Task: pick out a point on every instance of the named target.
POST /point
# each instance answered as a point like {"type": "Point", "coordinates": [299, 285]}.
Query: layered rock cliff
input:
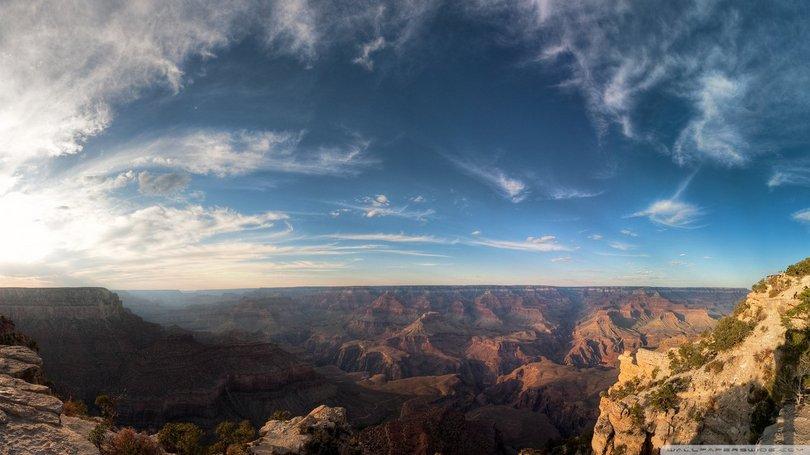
{"type": "Point", "coordinates": [91, 344]}
{"type": "Point", "coordinates": [30, 420]}
{"type": "Point", "coordinates": [725, 388]}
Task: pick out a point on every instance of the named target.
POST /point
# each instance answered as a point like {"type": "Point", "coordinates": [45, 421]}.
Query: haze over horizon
{"type": "Point", "coordinates": [199, 145]}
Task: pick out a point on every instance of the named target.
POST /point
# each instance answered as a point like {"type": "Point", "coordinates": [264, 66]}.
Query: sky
{"type": "Point", "coordinates": [246, 143]}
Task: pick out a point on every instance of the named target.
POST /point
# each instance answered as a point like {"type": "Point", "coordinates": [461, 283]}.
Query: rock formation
{"type": "Point", "coordinates": [30, 420]}
{"type": "Point", "coordinates": [725, 388]}
{"type": "Point", "coordinates": [324, 430]}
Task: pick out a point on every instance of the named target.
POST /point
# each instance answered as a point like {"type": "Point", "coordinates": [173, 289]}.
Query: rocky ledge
{"type": "Point", "coordinates": [324, 430]}
{"type": "Point", "coordinates": [726, 388]}
{"type": "Point", "coordinates": [30, 420]}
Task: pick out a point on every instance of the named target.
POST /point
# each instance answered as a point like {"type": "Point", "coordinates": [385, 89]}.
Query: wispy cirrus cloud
{"type": "Point", "coordinates": [733, 68]}
{"type": "Point", "coordinates": [540, 244]}
{"type": "Point", "coordinates": [673, 212]}
{"type": "Point", "coordinates": [796, 173]}
{"type": "Point", "coordinates": [232, 153]}
{"type": "Point", "coordinates": [380, 205]}
{"type": "Point", "coordinates": [395, 238]}
{"type": "Point", "coordinates": [621, 246]}
{"type": "Point", "coordinates": [561, 193]}
{"type": "Point", "coordinates": [802, 216]}
{"type": "Point", "coordinates": [509, 187]}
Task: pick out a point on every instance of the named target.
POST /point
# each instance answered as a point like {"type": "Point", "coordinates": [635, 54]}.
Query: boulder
{"type": "Point", "coordinates": [322, 428]}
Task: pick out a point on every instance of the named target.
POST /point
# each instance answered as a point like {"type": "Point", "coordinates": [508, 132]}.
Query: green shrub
{"type": "Point", "coordinates": [800, 268]}
{"type": "Point", "coordinates": [625, 389]}
{"type": "Point", "coordinates": [636, 415]}
{"type": "Point", "coordinates": [802, 310]}
{"type": "Point", "coordinates": [181, 438]}
{"type": "Point", "coordinates": [98, 434]}
{"type": "Point", "coordinates": [666, 397]}
{"type": "Point", "coordinates": [232, 437]}
{"type": "Point", "coordinates": [760, 286]}
{"type": "Point", "coordinates": [715, 366]}
{"type": "Point", "coordinates": [108, 407]}
{"type": "Point", "coordinates": [689, 356]}
{"type": "Point", "coordinates": [730, 332]}
{"type": "Point", "coordinates": [742, 305]}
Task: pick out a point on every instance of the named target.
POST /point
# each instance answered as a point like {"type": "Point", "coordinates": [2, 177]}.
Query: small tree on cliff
{"type": "Point", "coordinates": [232, 438]}
{"type": "Point", "coordinates": [181, 438]}
{"type": "Point", "coordinates": [98, 435]}
{"type": "Point", "coordinates": [108, 408]}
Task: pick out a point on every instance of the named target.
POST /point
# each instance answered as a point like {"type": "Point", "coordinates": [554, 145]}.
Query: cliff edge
{"type": "Point", "coordinates": [30, 420]}
{"type": "Point", "coordinates": [738, 384]}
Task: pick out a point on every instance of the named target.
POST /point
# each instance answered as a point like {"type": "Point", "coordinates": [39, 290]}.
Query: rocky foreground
{"type": "Point", "coordinates": [726, 388]}
{"type": "Point", "coordinates": [30, 416]}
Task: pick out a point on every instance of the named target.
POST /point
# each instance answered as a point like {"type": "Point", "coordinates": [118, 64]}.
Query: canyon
{"type": "Point", "coordinates": [528, 361]}
{"type": "Point", "coordinates": [510, 367]}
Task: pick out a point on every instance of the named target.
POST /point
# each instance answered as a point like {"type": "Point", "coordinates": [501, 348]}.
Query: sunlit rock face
{"type": "Point", "coordinates": [725, 388]}
{"type": "Point", "coordinates": [30, 420]}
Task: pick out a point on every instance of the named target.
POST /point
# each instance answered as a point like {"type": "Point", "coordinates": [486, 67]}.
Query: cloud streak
{"type": "Point", "coordinates": [731, 75]}
{"type": "Point", "coordinates": [673, 212]}
{"type": "Point", "coordinates": [541, 244]}
{"type": "Point", "coordinates": [509, 187]}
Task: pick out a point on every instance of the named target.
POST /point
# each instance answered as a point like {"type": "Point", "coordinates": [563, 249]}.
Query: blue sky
{"type": "Point", "coordinates": [194, 145]}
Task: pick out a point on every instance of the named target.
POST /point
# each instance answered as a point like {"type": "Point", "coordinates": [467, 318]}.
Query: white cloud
{"type": "Point", "coordinates": [66, 66]}
{"type": "Point", "coordinates": [561, 259]}
{"type": "Point", "coordinates": [570, 193]}
{"type": "Point", "coordinates": [621, 246]}
{"type": "Point", "coordinates": [671, 213]}
{"type": "Point", "coordinates": [802, 216]}
{"type": "Point", "coordinates": [291, 27]}
{"type": "Point", "coordinates": [475, 232]}
{"type": "Point", "coordinates": [509, 187]}
{"type": "Point", "coordinates": [395, 238]}
{"type": "Point", "coordinates": [380, 200]}
{"type": "Point", "coordinates": [364, 59]}
{"type": "Point", "coordinates": [728, 73]}
{"type": "Point", "coordinates": [544, 243]}
{"type": "Point", "coordinates": [595, 237]}
{"type": "Point", "coordinates": [628, 233]}
{"type": "Point", "coordinates": [380, 206]}
{"type": "Point", "coordinates": [711, 134]}
{"type": "Point", "coordinates": [230, 153]}
{"type": "Point", "coordinates": [795, 173]}
{"type": "Point", "coordinates": [418, 199]}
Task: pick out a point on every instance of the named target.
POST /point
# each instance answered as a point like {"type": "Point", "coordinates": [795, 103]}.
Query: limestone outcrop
{"type": "Point", "coordinates": [324, 430]}
{"type": "Point", "coordinates": [30, 420]}
{"type": "Point", "coordinates": [725, 388]}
